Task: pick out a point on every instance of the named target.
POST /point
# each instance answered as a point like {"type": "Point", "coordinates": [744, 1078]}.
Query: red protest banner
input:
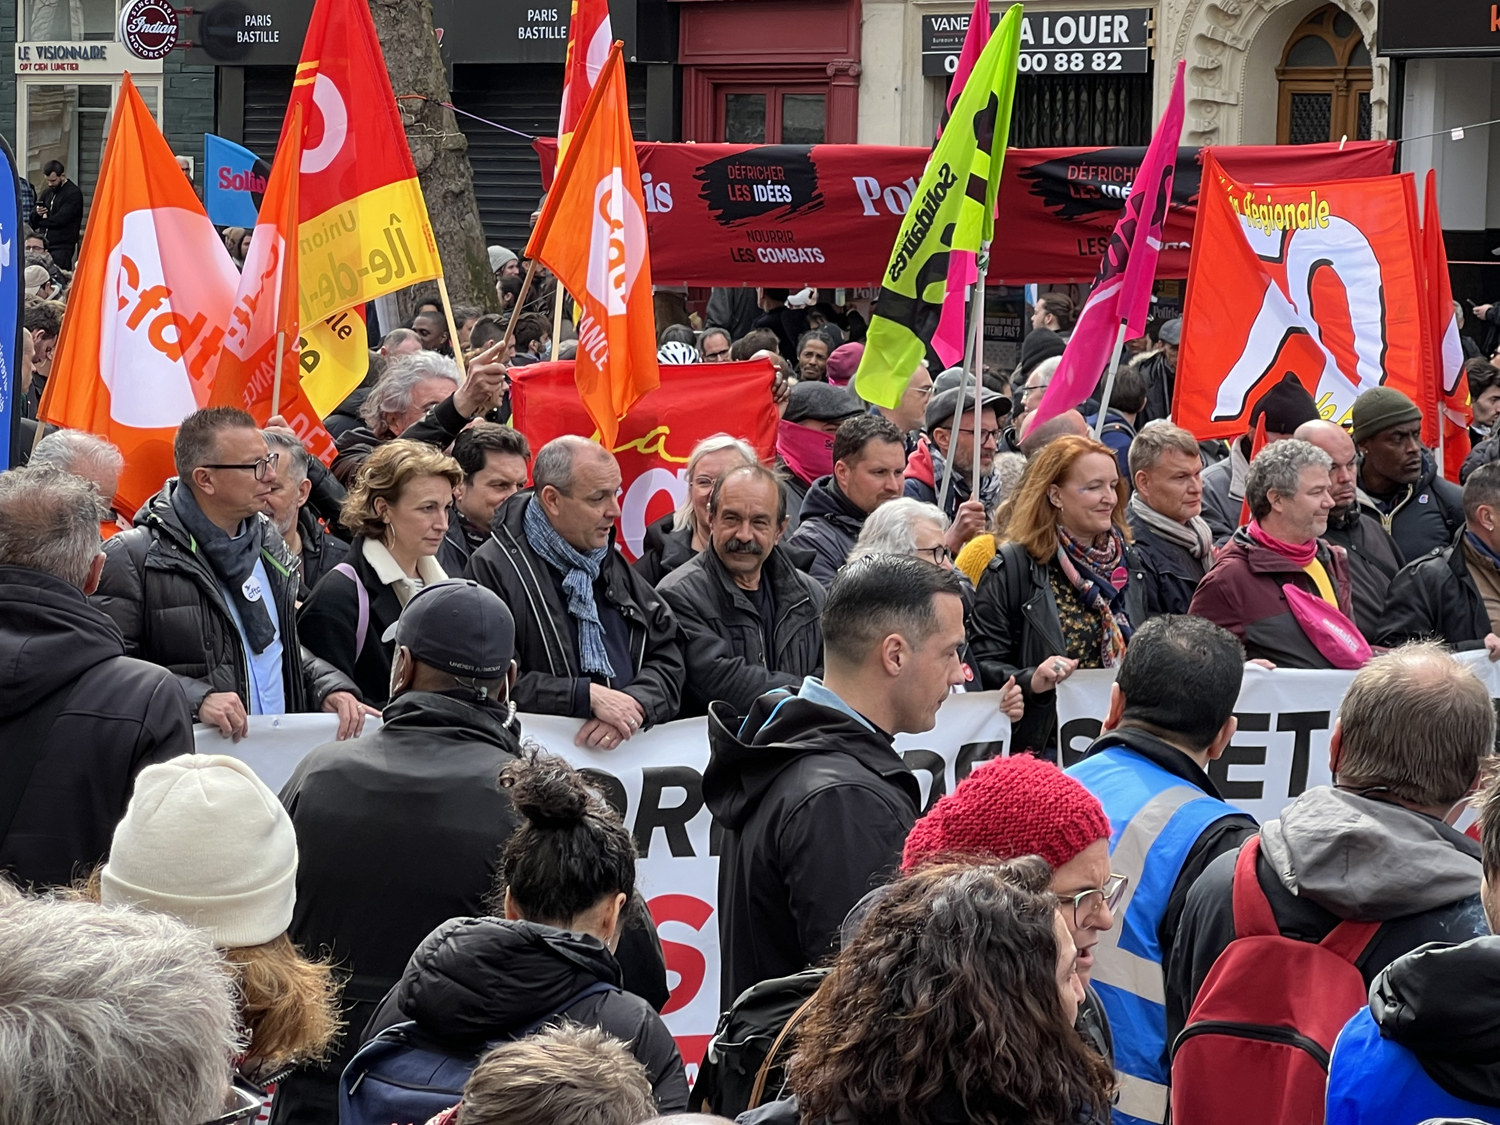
{"type": "Point", "coordinates": [826, 215]}
{"type": "Point", "coordinates": [693, 402]}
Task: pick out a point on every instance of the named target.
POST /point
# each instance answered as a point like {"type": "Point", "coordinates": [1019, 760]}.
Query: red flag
{"type": "Point", "coordinates": [1449, 390]}
{"type": "Point", "coordinates": [592, 236]}
{"type": "Point", "coordinates": [589, 39]}
{"type": "Point", "coordinates": [1257, 443]}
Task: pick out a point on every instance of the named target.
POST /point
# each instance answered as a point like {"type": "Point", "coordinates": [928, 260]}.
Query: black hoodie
{"type": "Point", "coordinates": [1442, 1003]}
{"type": "Point", "coordinates": [122, 715]}
{"type": "Point", "coordinates": [830, 526]}
{"type": "Point", "coordinates": [473, 980]}
{"type": "Point", "coordinates": [814, 807]}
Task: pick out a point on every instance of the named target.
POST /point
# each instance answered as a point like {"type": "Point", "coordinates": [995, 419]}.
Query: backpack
{"type": "Point", "coordinates": [1261, 1031]}
{"type": "Point", "coordinates": [404, 1077]}
{"type": "Point", "coordinates": [739, 1068]}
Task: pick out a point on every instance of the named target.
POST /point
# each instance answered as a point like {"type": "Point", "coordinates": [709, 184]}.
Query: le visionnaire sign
{"type": "Point", "coordinates": [1464, 27]}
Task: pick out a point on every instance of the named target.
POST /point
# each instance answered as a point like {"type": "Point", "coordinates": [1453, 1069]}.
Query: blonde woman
{"type": "Point", "coordinates": [398, 512]}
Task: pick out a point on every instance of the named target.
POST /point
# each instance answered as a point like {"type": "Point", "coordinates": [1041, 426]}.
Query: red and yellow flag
{"type": "Point", "coordinates": [589, 39]}
{"type": "Point", "coordinates": [592, 236]}
{"type": "Point", "coordinates": [364, 229]}
{"type": "Point", "coordinates": [264, 318]}
{"type": "Point", "coordinates": [1450, 390]}
{"type": "Point", "coordinates": [149, 308]}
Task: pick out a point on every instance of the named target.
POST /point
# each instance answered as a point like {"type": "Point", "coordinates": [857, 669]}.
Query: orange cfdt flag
{"type": "Point", "coordinates": [148, 310]}
{"type": "Point", "coordinates": [592, 236]}
{"type": "Point", "coordinates": [589, 39]}
{"type": "Point", "coordinates": [364, 230]}
{"type": "Point", "coordinates": [1450, 389]}
{"type": "Point", "coordinates": [264, 319]}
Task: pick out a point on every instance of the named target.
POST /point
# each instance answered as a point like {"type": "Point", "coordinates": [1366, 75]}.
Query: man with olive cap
{"type": "Point", "coordinates": [1399, 481]}
{"type": "Point", "coordinates": [400, 830]}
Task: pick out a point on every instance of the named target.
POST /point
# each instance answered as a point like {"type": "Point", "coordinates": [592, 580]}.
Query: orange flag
{"type": "Point", "coordinates": [1257, 443]}
{"type": "Point", "coordinates": [1450, 390]}
{"type": "Point", "coordinates": [592, 236]}
{"type": "Point", "coordinates": [589, 39]}
{"type": "Point", "coordinates": [149, 306]}
{"type": "Point", "coordinates": [264, 319]}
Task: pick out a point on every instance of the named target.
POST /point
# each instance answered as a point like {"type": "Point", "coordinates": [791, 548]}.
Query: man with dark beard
{"type": "Point", "coordinates": [749, 617]}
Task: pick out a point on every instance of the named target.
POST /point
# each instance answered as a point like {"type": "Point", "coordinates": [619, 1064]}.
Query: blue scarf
{"type": "Point", "coordinates": [579, 574]}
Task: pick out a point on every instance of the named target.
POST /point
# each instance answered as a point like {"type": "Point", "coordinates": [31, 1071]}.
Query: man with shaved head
{"type": "Point", "coordinates": [1374, 557]}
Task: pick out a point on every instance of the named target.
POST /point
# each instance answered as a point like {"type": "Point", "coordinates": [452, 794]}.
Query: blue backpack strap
{"type": "Point", "coordinates": [362, 626]}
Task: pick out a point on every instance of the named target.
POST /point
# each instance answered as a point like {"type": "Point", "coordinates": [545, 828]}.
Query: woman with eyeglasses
{"type": "Point", "coordinates": [680, 535]}
{"type": "Point", "coordinates": [1020, 806]}
{"type": "Point", "coordinates": [398, 512]}
{"type": "Point", "coordinates": [1064, 590]}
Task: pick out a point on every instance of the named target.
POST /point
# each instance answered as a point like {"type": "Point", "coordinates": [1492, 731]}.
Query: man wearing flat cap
{"type": "Point", "coordinates": [1399, 482]}
{"type": "Point", "coordinates": [804, 439]}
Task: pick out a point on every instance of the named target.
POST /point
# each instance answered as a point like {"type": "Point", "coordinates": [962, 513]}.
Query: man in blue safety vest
{"type": "Point", "coordinates": [1170, 714]}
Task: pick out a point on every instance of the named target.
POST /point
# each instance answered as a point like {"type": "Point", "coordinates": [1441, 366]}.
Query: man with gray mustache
{"type": "Point", "coordinates": [749, 617]}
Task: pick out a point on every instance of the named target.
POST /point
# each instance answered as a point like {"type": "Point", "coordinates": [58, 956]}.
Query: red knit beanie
{"type": "Point", "coordinates": [1007, 808]}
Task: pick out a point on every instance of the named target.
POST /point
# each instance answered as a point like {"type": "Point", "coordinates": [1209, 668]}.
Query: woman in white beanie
{"type": "Point", "coordinates": [204, 840]}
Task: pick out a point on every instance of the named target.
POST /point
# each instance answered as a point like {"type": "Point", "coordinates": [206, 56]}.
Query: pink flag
{"type": "Point", "coordinates": [1122, 289]}
{"type": "Point", "coordinates": [948, 339]}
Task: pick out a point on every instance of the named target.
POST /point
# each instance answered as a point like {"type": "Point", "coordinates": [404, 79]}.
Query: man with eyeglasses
{"type": "Point", "coordinates": [967, 512]}
{"type": "Point", "coordinates": [1171, 713]}
{"type": "Point", "coordinates": [910, 413]}
{"type": "Point", "coordinates": [204, 586]}
{"type": "Point", "coordinates": [714, 344]}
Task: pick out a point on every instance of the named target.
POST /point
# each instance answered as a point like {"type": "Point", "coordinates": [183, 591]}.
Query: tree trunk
{"type": "Point", "coordinates": [439, 150]}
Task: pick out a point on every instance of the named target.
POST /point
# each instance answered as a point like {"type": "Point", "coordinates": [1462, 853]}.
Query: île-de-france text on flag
{"type": "Point", "coordinates": [1321, 281]}
{"type": "Point", "coordinates": [589, 39]}
{"type": "Point", "coordinates": [149, 306]}
{"type": "Point", "coordinates": [592, 236]}
{"type": "Point", "coordinates": [1122, 289]}
{"type": "Point", "coordinates": [953, 209]}
{"type": "Point", "coordinates": [1449, 389]}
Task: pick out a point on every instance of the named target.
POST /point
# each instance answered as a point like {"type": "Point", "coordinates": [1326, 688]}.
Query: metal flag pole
{"type": "Point", "coordinates": [1109, 381]}
{"type": "Point", "coordinates": [984, 268]}
{"type": "Point", "coordinates": [958, 410]}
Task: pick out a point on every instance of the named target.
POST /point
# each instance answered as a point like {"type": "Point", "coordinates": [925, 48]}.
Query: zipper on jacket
{"type": "Point", "coordinates": [1262, 1032]}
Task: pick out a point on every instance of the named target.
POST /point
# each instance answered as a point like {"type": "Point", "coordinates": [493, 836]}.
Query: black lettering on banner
{"type": "Point", "coordinates": [929, 763]}
{"type": "Point", "coordinates": [1241, 756]}
{"type": "Point", "coordinates": [610, 786]}
{"type": "Point", "coordinates": [972, 754]}
{"type": "Point", "coordinates": [1086, 729]}
{"type": "Point", "coordinates": [674, 818]}
{"type": "Point", "coordinates": [1303, 723]}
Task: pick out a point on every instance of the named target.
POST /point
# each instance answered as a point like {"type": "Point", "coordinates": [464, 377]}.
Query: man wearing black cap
{"type": "Point", "coordinates": [399, 831]}
{"type": "Point", "coordinates": [924, 468]}
{"type": "Point", "coordinates": [1399, 483]}
{"type": "Point", "coordinates": [1160, 372]}
{"type": "Point", "coordinates": [804, 439]}
{"type": "Point", "coordinates": [1285, 406]}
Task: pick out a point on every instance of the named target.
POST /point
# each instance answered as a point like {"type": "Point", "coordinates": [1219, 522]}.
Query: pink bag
{"type": "Point", "coordinates": [1331, 633]}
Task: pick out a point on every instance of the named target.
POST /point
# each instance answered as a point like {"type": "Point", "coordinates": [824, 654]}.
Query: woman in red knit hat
{"type": "Point", "coordinates": [1021, 806]}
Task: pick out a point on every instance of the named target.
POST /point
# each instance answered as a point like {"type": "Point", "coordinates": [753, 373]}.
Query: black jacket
{"type": "Point", "coordinates": [1435, 598]}
{"type": "Point", "coordinates": [1424, 516]}
{"type": "Point", "coordinates": [345, 416]}
{"type": "Point", "coordinates": [1015, 627]}
{"type": "Point", "coordinates": [829, 526]}
{"type": "Point", "coordinates": [1160, 379]}
{"type": "Point", "coordinates": [321, 552]}
{"type": "Point", "coordinates": [546, 635]}
{"type": "Point", "coordinates": [64, 217]}
{"type": "Point", "coordinates": [329, 621]}
{"type": "Point", "coordinates": [397, 831]}
{"type": "Point", "coordinates": [814, 807]}
{"type": "Point", "coordinates": [439, 426]}
{"type": "Point", "coordinates": [120, 716]}
{"type": "Point", "coordinates": [663, 550]}
{"type": "Point", "coordinates": [1169, 572]}
{"type": "Point", "coordinates": [168, 604]}
{"type": "Point", "coordinates": [721, 631]}
{"type": "Point", "coordinates": [460, 542]}
{"type": "Point", "coordinates": [473, 980]}
{"type": "Point", "coordinates": [1373, 558]}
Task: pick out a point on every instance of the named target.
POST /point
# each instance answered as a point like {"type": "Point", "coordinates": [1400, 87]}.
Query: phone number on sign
{"type": "Point", "coordinates": [1069, 62]}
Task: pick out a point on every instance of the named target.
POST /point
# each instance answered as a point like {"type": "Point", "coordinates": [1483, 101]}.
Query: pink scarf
{"type": "Point", "coordinates": [807, 452]}
{"type": "Point", "coordinates": [1299, 553]}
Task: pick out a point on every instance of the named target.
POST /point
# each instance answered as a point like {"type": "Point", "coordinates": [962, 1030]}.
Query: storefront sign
{"type": "Point", "coordinates": [1466, 27]}
{"type": "Point", "coordinates": [1102, 41]}
{"type": "Point", "coordinates": [148, 28]}
{"type": "Point", "coordinates": [247, 32]}
{"type": "Point", "coordinates": [90, 57]}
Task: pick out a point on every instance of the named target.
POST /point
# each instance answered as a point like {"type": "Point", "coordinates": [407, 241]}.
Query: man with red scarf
{"type": "Point", "coordinates": [1276, 585]}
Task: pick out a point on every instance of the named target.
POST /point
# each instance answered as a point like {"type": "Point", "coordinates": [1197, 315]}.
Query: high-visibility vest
{"type": "Point", "coordinates": [1372, 1081]}
{"type": "Point", "coordinates": [1155, 818]}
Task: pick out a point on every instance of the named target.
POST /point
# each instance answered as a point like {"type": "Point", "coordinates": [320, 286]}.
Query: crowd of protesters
{"type": "Point", "coordinates": [179, 945]}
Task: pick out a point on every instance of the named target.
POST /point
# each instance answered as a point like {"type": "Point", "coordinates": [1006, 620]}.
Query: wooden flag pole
{"type": "Point", "coordinates": [276, 381]}
{"type": "Point", "coordinates": [515, 312]}
{"type": "Point", "coordinates": [458, 352]}
{"type": "Point", "coordinates": [557, 318]}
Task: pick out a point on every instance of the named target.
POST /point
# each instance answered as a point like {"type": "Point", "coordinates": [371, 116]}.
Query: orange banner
{"type": "Point", "coordinates": [1449, 390]}
{"type": "Point", "coordinates": [589, 39]}
{"type": "Point", "coordinates": [1320, 280]}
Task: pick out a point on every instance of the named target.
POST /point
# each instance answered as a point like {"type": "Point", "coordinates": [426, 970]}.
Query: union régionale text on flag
{"type": "Point", "coordinates": [953, 209]}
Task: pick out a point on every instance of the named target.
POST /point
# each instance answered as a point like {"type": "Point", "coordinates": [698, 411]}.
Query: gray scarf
{"type": "Point", "coordinates": [579, 573]}
{"type": "Point", "coordinates": [233, 562]}
{"type": "Point", "coordinates": [1193, 536]}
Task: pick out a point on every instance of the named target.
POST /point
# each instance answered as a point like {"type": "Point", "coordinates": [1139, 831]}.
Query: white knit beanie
{"type": "Point", "coordinates": [204, 840]}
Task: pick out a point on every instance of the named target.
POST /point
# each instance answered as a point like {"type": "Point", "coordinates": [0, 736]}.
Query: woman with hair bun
{"type": "Point", "coordinates": [565, 883]}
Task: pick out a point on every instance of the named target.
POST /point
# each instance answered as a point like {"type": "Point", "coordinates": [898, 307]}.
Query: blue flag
{"type": "Point", "coordinates": [233, 180]}
{"type": "Point", "coordinates": [12, 266]}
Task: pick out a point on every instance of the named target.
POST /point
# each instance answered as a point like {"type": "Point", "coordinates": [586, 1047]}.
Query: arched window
{"type": "Point", "coordinates": [1324, 80]}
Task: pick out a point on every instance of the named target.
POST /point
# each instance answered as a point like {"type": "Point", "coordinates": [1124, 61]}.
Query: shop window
{"type": "Point", "coordinates": [69, 122]}
{"type": "Point", "coordinates": [772, 115]}
{"type": "Point", "coordinates": [1325, 81]}
{"type": "Point", "coordinates": [69, 20]}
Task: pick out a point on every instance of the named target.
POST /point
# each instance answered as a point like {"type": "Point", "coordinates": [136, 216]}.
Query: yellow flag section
{"type": "Point", "coordinates": [335, 358]}
{"type": "Point", "coordinates": [149, 307]}
{"type": "Point", "coordinates": [364, 230]}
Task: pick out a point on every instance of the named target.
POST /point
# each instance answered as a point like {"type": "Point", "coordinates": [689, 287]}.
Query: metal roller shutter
{"type": "Point", "coordinates": [1067, 110]}
{"type": "Point", "coordinates": [267, 91]}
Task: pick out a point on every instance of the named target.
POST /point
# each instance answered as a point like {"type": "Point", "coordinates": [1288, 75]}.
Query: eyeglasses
{"type": "Point", "coordinates": [265, 467]}
{"type": "Point", "coordinates": [936, 555]}
{"type": "Point", "coordinates": [704, 482]}
{"type": "Point", "coordinates": [1039, 387]}
{"type": "Point", "coordinates": [241, 1106]}
{"type": "Point", "coordinates": [717, 355]}
{"type": "Point", "coordinates": [1087, 903]}
{"type": "Point", "coordinates": [984, 435]}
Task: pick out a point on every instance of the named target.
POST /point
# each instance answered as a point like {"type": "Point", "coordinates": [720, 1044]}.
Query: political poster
{"type": "Point", "coordinates": [12, 266]}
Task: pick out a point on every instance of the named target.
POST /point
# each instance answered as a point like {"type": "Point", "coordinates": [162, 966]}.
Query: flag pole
{"type": "Point", "coordinates": [515, 312]}
{"type": "Point", "coordinates": [276, 380]}
{"type": "Point", "coordinates": [458, 352]}
{"type": "Point", "coordinates": [984, 269]}
{"type": "Point", "coordinates": [1109, 381]}
{"type": "Point", "coordinates": [958, 412]}
{"type": "Point", "coordinates": [557, 318]}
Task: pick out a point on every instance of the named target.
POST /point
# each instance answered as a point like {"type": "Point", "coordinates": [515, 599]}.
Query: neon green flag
{"type": "Point", "coordinates": [953, 209]}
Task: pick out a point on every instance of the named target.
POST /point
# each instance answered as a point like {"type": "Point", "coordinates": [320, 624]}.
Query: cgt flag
{"type": "Point", "coordinates": [592, 236]}
{"type": "Point", "coordinates": [149, 306]}
{"type": "Point", "coordinates": [953, 208]}
{"type": "Point", "coordinates": [1450, 390]}
{"type": "Point", "coordinates": [589, 39]}
{"type": "Point", "coordinates": [1322, 281]}
{"type": "Point", "coordinates": [364, 229]}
